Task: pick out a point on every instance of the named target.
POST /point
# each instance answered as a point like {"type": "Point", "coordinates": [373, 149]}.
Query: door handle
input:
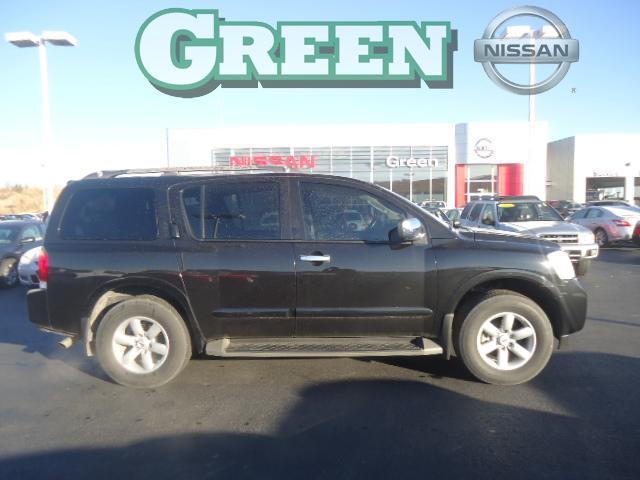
{"type": "Point", "coordinates": [315, 258]}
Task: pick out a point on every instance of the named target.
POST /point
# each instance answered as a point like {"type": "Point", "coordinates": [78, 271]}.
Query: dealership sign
{"type": "Point", "coordinates": [395, 162]}
{"type": "Point", "coordinates": [294, 162]}
{"type": "Point", "coordinates": [189, 53]}
{"type": "Point", "coordinates": [551, 44]}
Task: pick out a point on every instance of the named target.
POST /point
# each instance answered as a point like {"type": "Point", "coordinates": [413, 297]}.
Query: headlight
{"type": "Point", "coordinates": [562, 265]}
{"type": "Point", "coordinates": [586, 238]}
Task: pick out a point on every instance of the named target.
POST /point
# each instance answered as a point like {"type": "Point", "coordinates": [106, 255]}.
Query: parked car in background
{"type": "Point", "coordinates": [438, 213]}
{"type": "Point", "coordinates": [565, 207]}
{"type": "Point", "coordinates": [530, 215]}
{"type": "Point", "coordinates": [453, 214]}
{"type": "Point", "coordinates": [28, 267]}
{"type": "Point", "coordinates": [609, 224]}
{"type": "Point", "coordinates": [16, 237]}
{"type": "Point", "coordinates": [433, 204]}
{"type": "Point", "coordinates": [612, 203]}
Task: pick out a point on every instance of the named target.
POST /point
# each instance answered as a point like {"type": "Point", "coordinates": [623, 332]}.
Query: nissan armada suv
{"type": "Point", "coordinates": [146, 271]}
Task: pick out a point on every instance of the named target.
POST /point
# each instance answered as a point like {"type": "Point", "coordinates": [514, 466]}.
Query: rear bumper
{"type": "Point", "coordinates": [38, 308]}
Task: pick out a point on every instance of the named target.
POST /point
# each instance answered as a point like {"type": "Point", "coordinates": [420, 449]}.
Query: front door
{"type": "Point", "coordinates": [351, 279]}
{"type": "Point", "coordinates": [238, 271]}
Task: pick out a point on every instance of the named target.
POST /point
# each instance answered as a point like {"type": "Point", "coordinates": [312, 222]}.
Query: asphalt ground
{"type": "Point", "coordinates": [422, 417]}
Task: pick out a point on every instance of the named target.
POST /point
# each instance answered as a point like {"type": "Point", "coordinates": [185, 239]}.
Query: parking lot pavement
{"type": "Point", "coordinates": [331, 418]}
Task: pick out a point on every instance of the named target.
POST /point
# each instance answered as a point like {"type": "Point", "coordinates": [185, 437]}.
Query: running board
{"type": "Point", "coordinates": [323, 347]}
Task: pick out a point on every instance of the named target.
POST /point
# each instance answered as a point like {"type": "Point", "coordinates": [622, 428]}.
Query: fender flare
{"type": "Point", "coordinates": [118, 290]}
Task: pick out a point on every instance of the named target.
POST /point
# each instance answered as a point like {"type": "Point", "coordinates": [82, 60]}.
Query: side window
{"type": "Point", "coordinates": [333, 212]}
{"type": "Point", "coordinates": [110, 214]}
{"type": "Point", "coordinates": [474, 215]}
{"type": "Point", "coordinates": [578, 215]}
{"type": "Point", "coordinates": [594, 213]}
{"type": "Point", "coordinates": [31, 231]}
{"type": "Point", "coordinates": [488, 216]}
{"type": "Point", "coordinates": [465, 211]}
{"type": "Point", "coordinates": [234, 211]}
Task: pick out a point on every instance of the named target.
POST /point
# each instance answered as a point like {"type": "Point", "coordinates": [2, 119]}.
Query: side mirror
{"type": "Point", "coordinates": [28, 240]}
{"type": "Point", "coordinates": [455, 224]}
{"type": "Point", "coordinates": [411, 230]}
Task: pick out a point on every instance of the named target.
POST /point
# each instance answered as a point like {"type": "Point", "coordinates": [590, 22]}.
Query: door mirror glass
{"type": "Point", "coordinates": [455, 223]}
{"type": "Point", "coordinates": [411, 230]}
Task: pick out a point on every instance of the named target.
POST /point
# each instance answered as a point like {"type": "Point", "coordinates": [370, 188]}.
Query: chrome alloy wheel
{"type": "Point", "coordinates": [506, 341]}
{"type": "Point", "coordinates": [140, 345]}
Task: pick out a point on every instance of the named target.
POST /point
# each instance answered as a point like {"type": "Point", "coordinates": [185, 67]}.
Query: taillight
{"type": "Point", "coordinates": [43, 266]}
{"type": "Point", "coordinates": [621, 223]}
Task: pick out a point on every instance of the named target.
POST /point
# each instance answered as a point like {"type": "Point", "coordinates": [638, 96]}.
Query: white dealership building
{"type": "Point", "coordinates": [450, 162]}
{"type": "Point", "coordinates": [594, 167]}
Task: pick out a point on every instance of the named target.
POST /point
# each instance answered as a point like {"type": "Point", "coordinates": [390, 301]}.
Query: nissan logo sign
{"type": "Point", "coordinates": [395, 162]}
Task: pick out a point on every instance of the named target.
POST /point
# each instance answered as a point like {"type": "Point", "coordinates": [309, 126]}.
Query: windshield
{"type": "Point", "coordinates": [527, 212]}
{"type": "Point", "coordinates": [8, 235]}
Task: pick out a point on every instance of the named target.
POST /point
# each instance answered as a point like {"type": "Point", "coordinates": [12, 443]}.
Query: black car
{"type": "Point", "coordinates": [16, 237]}
{"type": "Point", "coordinates": [146, 271]}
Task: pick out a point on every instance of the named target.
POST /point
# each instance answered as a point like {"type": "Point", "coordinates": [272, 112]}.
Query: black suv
{"type": "Point", "coordinates": [147, 271]}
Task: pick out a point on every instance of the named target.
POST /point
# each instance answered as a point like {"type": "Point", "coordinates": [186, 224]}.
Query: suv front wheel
{"type": "Point", "coordinates": [505, 339]}
{"type": "Point", "coordinates": [143, 342]}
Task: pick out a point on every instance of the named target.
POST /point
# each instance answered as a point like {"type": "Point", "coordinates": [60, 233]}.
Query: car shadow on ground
{"type": "Point", "coordinates": [399, 429]}
{"type": "Point", "coordinates": [611, 254]}
{"type": "Point", "coordinates": [17, 330]}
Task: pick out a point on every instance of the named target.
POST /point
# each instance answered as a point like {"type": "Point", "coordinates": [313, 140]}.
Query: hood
{"type": "Point", "coordinates": [538, 228]}
{"type": "Point", "coordinates": [510, 240]}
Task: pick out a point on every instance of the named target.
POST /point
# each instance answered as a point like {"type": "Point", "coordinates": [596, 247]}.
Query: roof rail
{"type": "Point", "coordinates": [183, 171]}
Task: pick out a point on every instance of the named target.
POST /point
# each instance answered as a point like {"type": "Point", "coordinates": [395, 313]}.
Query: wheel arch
{"type": "Point", "coordinates": [115, 292]}
{"type": "Point", "coordinates": [535, 287]}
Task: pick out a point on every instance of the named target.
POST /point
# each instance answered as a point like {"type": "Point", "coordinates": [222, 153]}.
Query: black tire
{"type": "Point", "coordinates": [602, 239]}
{"type": "Point", "coordinates": [582, 267]}
{"type": "Point", "coordinates": [494, 303]}
{"type": "Point", "coordinates": [9, 273]}
{"type": "Point", "coordinates": [178, 341]}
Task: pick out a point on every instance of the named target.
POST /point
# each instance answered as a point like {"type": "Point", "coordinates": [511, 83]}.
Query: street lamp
{"type": "Point", "coordinates": [28, 39]}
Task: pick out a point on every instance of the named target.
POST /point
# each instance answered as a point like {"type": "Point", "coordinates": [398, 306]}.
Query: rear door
{"type": "Point", "coordinates": [352, 280]}
{"type": "Point", "coordinates": [236, 255]}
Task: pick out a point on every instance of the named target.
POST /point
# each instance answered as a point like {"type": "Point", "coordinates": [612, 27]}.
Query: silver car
{"type": "Point", "coordinates": [530, 215]}
{"type": "Point", "coordinates": [28, 267]}
{"type": "Point", "coordinates": [609, 224]}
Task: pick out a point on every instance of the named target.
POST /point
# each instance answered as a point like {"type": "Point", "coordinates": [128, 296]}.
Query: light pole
{"type": "Point", "coordinates": [28, 39]}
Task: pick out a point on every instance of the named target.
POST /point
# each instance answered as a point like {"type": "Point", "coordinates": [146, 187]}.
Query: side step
{"type": "Point", "coordinates": [323, 347]}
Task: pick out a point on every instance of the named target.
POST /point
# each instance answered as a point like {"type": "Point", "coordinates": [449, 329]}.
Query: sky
{"type": "Point", "coordinates": [107, 115]}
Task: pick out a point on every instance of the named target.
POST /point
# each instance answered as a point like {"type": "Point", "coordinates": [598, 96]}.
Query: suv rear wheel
{"type": "Point", "coordinates": [505, 339]}
{"type": "Point", "coordinates": [143, 342]}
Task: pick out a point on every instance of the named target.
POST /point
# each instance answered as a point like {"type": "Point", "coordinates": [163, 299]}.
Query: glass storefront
{"type": "Point", "coordinates": [605, 188]}
{"type": "Point", "coordinates": [367, 163]}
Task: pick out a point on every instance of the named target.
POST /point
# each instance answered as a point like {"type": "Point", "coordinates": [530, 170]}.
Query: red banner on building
{"type": "Point", "coordinates": [296, 162]}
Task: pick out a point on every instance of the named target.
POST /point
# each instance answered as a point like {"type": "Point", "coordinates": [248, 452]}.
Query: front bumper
{"type": "Point", "coordinates": [580, 252]}
{"type": "Point", "coordinates": [572, 308]}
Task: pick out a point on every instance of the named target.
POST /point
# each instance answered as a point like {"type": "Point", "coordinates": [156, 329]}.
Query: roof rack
{"type": "Point", "coordinates": [183, 171]}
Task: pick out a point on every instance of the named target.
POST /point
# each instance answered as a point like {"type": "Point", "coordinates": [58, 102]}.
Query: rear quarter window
{"type": "Point", "coordinates": [110, 214]}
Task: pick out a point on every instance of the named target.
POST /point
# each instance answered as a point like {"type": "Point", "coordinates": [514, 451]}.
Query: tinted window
{"type": "Point", "coordinates": [578, 215]}
{"type": "Point", "coordinates": [594, 213]}
{"type": "Point", "coordinates": [474, 215]}
{"type": "Point", "coordinates": [238, 211]}
{"type": "Point", "coordinates": [488, 217]}
{"type": "Point", "coordinates": [329, 209]}
{"type": "Point", "coordinates": [527, 212]}
{"type": "Point", "coordinates": [110, 214]}
{"type": "Point", "coordinates": [31, 231]}
{"type": "Point", "coordinates": [465, 211]}
{"type": "Point", "coordinates": [8, 234]}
